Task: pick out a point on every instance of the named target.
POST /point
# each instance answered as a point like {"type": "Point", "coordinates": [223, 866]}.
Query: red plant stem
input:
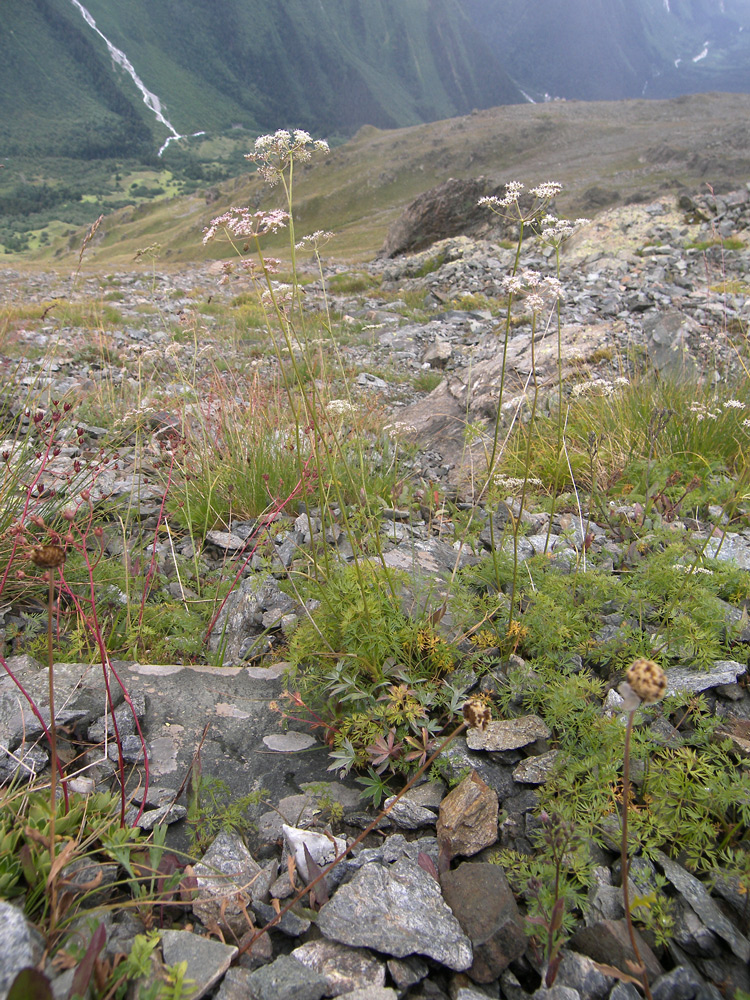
{"type": "Point", "coordinates": [355, 843]}
{"type": "Point", "coordinates": [624, 855]}
{"type": "Point", "coordinates": [92, 623]}
{"type": "Point", "coordinates": [54, 760]}
{"type": "Point", "coordinates": [40, 720]}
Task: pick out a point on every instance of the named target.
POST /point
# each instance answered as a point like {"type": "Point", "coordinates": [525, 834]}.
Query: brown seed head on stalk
{"type": "Point", "coordinates": [47, 556]}
{"type": "Point", "coordinates": [647, 680]}
{"type": "Point", "coordinates": [476, 713]}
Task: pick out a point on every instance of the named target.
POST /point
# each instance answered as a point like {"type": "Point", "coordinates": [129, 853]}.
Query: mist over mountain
{"type": "Point", "coordinates": [615, 49]}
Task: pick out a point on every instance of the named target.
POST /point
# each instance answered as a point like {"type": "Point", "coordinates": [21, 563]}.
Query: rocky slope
{"type": "Point", "coordinates": [390, 928]}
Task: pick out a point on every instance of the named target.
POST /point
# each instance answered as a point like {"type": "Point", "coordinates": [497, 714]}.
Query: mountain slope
{"type": "Point", "coordinates": [59, 93]}
{"type": "Point", "coordinates": [327, 66]}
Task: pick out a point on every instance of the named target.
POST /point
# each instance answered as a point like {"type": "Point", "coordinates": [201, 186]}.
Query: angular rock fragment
{"type": "Point", "coordinates": [225, 876]}
{"type": "Point", "coordinates": [467, 822]}
{"type": "Point", "coordinates": [508, 734]}
{"type": "Point", "coordinates": [398, 910]}
{"type": "Point", "coordinates": [344, 969]}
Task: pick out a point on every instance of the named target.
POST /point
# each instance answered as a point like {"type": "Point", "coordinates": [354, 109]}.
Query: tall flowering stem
{"type": "Point", "coordinates": [551, 231]}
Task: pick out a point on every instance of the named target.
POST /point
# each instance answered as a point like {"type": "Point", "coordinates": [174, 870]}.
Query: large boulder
{"type": "Point", "coordinates": [450, 209]}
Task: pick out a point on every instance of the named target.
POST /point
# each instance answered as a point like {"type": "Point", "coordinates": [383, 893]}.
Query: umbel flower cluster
{"type": "Point", "coordinates": [274, 153]}
{"type": "Point", "coordinates": [242, 223]}
{"type": "Point", "coordinates": [550, 230]}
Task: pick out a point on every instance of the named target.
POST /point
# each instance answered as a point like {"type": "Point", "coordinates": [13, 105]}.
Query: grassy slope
{"type": "Point", "coordinates": [631, 149]}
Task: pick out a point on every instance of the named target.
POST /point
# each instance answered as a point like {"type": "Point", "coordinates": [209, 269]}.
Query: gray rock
{"type": "Point", "coordinates": [22, 945]}
{"type": "Point", "coordinates": [582, 974]}
{"type": "Point", "coordinates": [536, 770]}
{"type": "Point", "coordinates": [556, 993]}
{"type": "Point", "coordinates": [696, 895]}
{"type": "Point", "coordinates": [438, 354]}
{"type": "Point", "coordinates": [608, 942]}
{"type": "Point", "coordinates": [290, 924]}
{"type": "Point", "coordinates": [207, 960]}
{"type": "Point", "coordinates": [508, 734]}
{"type": "Point", "coordinates": [254, 606]}
{"type": "Point", "coordinates": [681, 983]}
{"type": "Point", "coordinates": [226, 876]}
{"type": "Point", "coordinates": [371, 993]}
{"type": "Point", "coordinates": [87, 876]}
{"type": "Point", "coordinates": [344, 969]}
{"type": "Point", "coordinates": [667, 338]}
{"type": "Point", "coordinates": [409, 815]}
{"type": "Point", "coordinates": [624, 991]}
{"type": "Point", "coordinates": [729, 548]}
{"type": "Point", "coordinates": [169, 813]}
{"type": "Point", "coordinates": [131, 748]}
{"type": "Point", "coordinates": [285, 979]}
{"type": "Point", "coordinates": [722, 672]}
{"type": "Point", "coordinates": [406, 972]}
{"type": "Point", "coordinates": [692, 934]}
{"type": "Point", "coordinates": [24, 763]}
{"type": "Point", "coordinates": [399, 911]}
{"type": "Point", "coordinates": [123, 718]}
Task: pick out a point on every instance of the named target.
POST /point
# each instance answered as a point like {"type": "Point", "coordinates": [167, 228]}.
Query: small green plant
{"type": "Point", "coordinates": [553, 883]}
{"type": "Point", "coordinates": [212, 807]}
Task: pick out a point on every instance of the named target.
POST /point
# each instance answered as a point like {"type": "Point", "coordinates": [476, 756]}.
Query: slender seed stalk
{"type": "Point", "coordinates": [624, 856]}
{"type": "Point", "coordinates": [52, 750]}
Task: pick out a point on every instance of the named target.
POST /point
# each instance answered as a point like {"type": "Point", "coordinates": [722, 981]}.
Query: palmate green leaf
{"type": "Point", "coordinates": [344, 758]}
{"type": "Point", "coordinates": [374, 787]}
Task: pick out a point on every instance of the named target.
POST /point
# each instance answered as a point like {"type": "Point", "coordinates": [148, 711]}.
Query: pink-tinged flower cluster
{"type": "Point", "coordinates": [242, 223]}
{"type": "Point", "coordinates": [315, 240]}
{"type": "Point", "coordinates": [536, 287]}
{"type": "Point", "coordinates": [274, 153]}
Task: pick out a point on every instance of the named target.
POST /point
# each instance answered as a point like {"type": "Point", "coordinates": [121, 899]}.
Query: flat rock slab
{"type": "Point", "coordinates": [722, 672]}
{"type": "Point", "coordinates": [289, 742]}
{"type": "Point", "coordinates": [207, 960]}
{"type": "Point", "coordinates": [508, 734]}
{"type": "Point", "coordinates": [398, 910]}
{"type": "Point", "coordinates": [179, 701]}
{"type": "Point", "coordinates": [707, 909]}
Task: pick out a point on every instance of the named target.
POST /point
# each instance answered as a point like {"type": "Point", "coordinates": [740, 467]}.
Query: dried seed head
{"type": "Point", "coordinates": [648, 680]}
{"type": "Point", "coordinates": [47, 556]}
{"type": "Point", "coordinates": [476, 713]}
